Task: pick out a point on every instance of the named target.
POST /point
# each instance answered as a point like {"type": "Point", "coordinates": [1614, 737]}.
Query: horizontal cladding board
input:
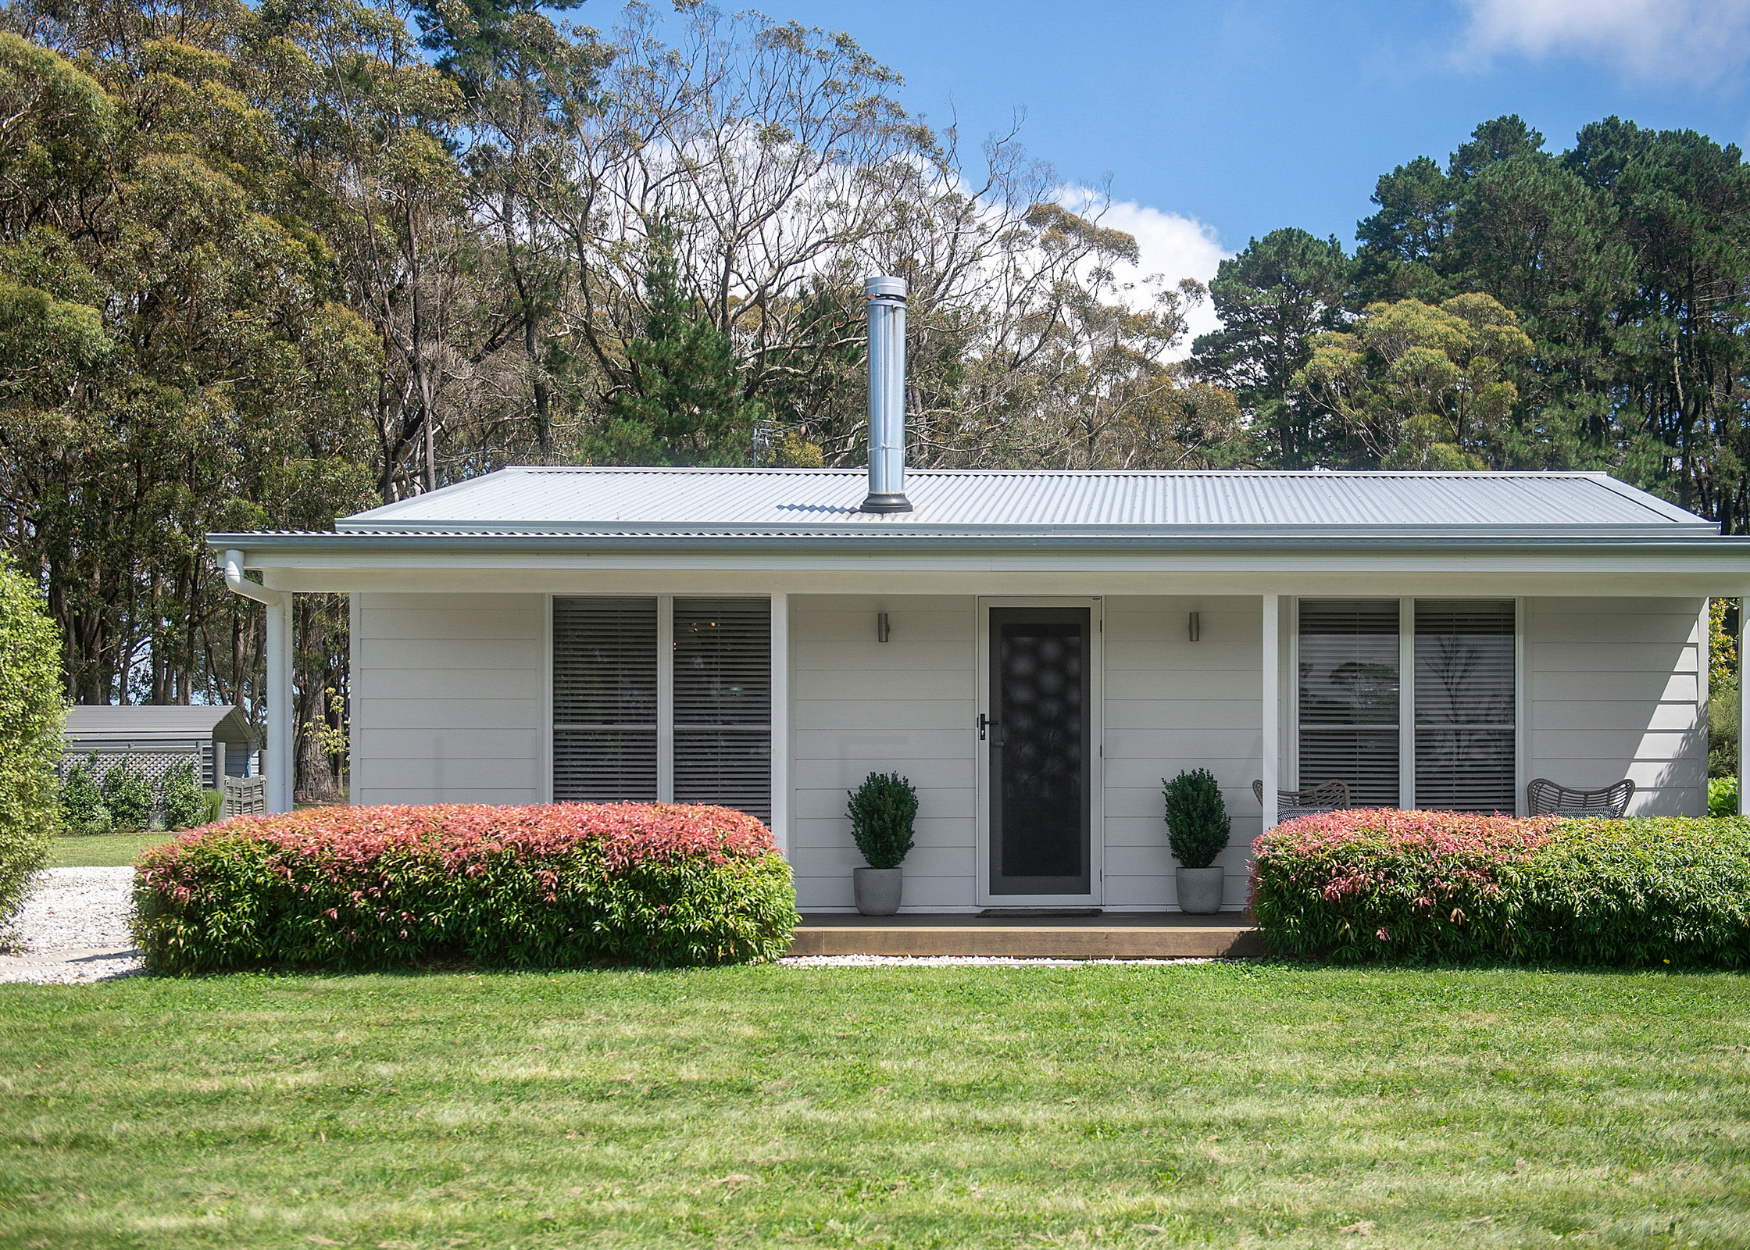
{"type": "Point", "coordinates": [1612, 658]}
{"type": "Point", "coordinates": [1125, 655]}
{"type": "Point", "coordinates": [470, 653]}
{"type": "Point", "coordinates": [528, 624]}
{"type": "Point", "coordinates": [374, 713]}
{"type": "Point", "coordinates": [850, 603]}
{"type": "Point", "coordinates": [446, 601]}
{"type": "Point", "coordinates": [1555, 606]}
{"type": "Point", "coordinates": [438, 774]}
{"type": "Point", "coordinates": [822, 717]}
{"type": "Point", "coordinates": [515, 796]}
{"type": "Point", "coordinates": [451, 744]}
{"type": "Point", "coordinates": [1612, 628]}
{"type": "Point", "coordinates": [822, 893]}
{"type": "Point", "coordinates": [840, 775]}
{"type": "Point", "coordinates": [943, 745]}
{"type": "Point", "coordinates": [1200, 714]}
{"type": "Point", "coordinates": [1131, 802]}
{"type": "Point", "coordinates": [1588, 774]}
{"type": "Point", "coordinates": [838, 655]}
{"type": "Point", "coordinates": [1234, 775]}
{"type": "Point", "coordinates": [1566, 714]}
{"type": "Point", "coordinates": [1582, 687]}
{"type": "Point", "coordinates": [1612, 744]}
{"type": "Point", "coordinates": [1183, 744]}
{"type": "Point", "coordinates": [896, 685]}
{"type": "Point", "coordinates": [1160, 684]}
{"type": "Point", "coordinates": [457, 683]}
{"type": "Point", "coordinates": [923, 861]}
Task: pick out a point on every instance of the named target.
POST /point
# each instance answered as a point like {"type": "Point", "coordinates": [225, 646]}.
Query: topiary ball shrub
{"type": "Point", "coordinates": [181, 797]}
{"type": "Point", "coordinates": [1197, 821]}
{"type": "Point", "coordinates": [1449, 887]}
{"type": "Point", "coordinates": [127, 794]}
{"type": "Point", "coordinates": [32, 717]}
{"type": "Point", "coordinates": [565, 885]}
{"type": "Point", "coordinates": [882, 812]}
{"type": "Point", "coordinates": [82, 809]}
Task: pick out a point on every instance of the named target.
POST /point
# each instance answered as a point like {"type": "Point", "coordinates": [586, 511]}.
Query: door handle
{"type": "Point", "coordinates": [984, 723]}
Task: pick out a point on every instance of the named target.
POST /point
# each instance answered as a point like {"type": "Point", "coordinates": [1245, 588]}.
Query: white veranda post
{"type": "Point", "coordinates": [1271, 662]}
{"type": "Point", "coordinates": [781, 721]}
{"type": "Point", "coordinates": [277, 756]}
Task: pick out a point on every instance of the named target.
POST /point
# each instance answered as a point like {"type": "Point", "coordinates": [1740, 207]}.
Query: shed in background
{"type": "Point", "coordinates": [158, 736]}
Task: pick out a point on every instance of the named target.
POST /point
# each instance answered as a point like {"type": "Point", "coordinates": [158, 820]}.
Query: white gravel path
{"type": "Point", "coordinates": [74, 929]}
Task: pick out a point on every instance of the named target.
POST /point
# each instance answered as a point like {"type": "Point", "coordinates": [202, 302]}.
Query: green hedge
{"type": "Point", "coordinates": [553, 886]}
{"type": "Point", "coordinates": [32, 714]}
{"type": "Point", "coordinates": [1429, 886]}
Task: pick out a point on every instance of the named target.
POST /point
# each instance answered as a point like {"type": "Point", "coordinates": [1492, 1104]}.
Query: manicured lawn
{"type": "Point", "coordinates": [110, 850]}
{"type": "Point", "coordinates": [1226, 1104]}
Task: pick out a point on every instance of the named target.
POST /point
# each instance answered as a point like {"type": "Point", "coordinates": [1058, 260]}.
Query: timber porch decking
{"type": "Point", "coordinates": [1155, 935]}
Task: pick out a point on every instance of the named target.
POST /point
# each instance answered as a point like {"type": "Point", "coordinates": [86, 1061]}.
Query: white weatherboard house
{"type": "Point", "coordinates": [1036, 651]}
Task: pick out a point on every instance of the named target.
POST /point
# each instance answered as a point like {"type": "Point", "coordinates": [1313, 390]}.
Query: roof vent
{"type": "Point", "coordinates": [886, 395]}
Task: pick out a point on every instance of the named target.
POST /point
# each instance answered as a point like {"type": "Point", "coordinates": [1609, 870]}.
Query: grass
{"type": "Point", "coordinates": [1232, 1105]}
{"type": "Point", "coordinates": [108, 850]}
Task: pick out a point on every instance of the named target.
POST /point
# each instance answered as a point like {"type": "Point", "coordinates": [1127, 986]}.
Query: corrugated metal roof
{"type": "Point", "coordinates": [823, 503]}
{"type": "Point", "coordinates": [146, 721]}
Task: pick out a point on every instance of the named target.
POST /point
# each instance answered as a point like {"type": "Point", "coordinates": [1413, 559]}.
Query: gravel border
{"type": "Point", "coordinates": [73, 929]}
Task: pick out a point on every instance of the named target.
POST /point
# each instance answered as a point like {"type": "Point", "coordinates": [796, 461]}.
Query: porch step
{"type": "Point", "coordinates": [1154, 936]}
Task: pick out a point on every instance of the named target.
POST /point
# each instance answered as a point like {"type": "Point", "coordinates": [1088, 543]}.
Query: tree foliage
{"type": "Point", "coordinates": [32, 714]}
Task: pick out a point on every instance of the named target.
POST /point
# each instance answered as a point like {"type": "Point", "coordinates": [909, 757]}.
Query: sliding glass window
{"type": "Point", "coordinates": [1349, 697]}
{"type": "Point", "coordinates": [1465, 705]}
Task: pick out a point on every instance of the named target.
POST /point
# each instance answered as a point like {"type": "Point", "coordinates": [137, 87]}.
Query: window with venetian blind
{"type": "Point", "coordinates": [1465, 705]}
{"type": "Point", "coordinates": [1353, 701]}
{"type": "Point", "coordinates": [608, 720]}
{"type": "Point", "coordinates": [1349, 697]}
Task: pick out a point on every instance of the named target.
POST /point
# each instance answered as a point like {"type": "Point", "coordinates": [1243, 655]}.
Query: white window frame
{"type": "Point", "coordinates": [1407, 694]}
{"type": "Point", "coordinates": [779, 781]}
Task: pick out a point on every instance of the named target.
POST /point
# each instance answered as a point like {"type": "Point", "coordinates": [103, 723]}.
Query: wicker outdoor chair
{"type": "Point", "coordinates": [1329, 796]}
{"type": "Point", "coordinates": [1544, 797]}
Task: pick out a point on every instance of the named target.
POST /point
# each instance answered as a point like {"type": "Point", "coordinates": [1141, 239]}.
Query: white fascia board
{"type": "Point", "coordinates": [1084, 580]}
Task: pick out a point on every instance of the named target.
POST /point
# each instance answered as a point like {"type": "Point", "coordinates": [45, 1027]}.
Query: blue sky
{"type": "Point", "coordinates": [1220, 121]}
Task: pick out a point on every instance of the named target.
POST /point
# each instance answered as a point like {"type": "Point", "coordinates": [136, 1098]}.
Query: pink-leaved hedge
{"type": "Point", "coordinates": [554, 885]}
{"type": "Point", "coordinates": [1382, 884]}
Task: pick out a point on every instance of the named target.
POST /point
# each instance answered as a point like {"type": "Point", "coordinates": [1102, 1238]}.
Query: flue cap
{"type": "Point", "coordinates": [891, 288]}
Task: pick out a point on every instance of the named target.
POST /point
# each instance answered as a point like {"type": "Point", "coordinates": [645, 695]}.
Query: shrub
{"type": "Point", "coordinates": [127, 794]}
{"type": "Point", "coordinates": [212, 806]}
{"type": "Point", "coordinates": [181, 797]}
{"type": "Point", "coordinates": [82, 809]}
{"type": "Point", "coordinates": [1362, 885]}
{"type": "Point", "coordinates": [1197, 819]}
{"type": "Point", "coordinates": [882, 810]}
{"type": "Point", "coordinates": [552, 886]}
{"type": "Point", "coordinates": [32, 717]}
{"type": "Point", "coordinates": [1722, 796]}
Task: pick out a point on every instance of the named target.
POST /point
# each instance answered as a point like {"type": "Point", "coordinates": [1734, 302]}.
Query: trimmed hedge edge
{"type": "Point", "coordinates": [1372, 885]}
{"type": "Point", "coordinates": [562, 885]}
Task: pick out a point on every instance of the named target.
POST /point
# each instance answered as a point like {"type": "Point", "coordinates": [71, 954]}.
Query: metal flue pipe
{"type": "Point", "coordinates": [886, 298]}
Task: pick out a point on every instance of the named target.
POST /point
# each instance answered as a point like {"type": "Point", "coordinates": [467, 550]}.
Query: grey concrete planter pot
{"type": "Point", "coordinates": [1199, 890]}
{"type": "Point", "coordinates": [877, 889]}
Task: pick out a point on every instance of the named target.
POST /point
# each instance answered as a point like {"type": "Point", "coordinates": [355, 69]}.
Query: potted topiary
{"type": "Point", "coordinates": [881, 810]}
{"type": "Point", "coordinates": [1197, 829]}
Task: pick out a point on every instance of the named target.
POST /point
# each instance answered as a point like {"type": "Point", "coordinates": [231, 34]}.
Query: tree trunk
{"type": "Point", "coordinates": [315, 778]}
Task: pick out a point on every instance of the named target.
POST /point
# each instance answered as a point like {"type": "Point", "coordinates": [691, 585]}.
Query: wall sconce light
{"type": "Point", "coordinates": [1196, 626]}
{"type": "Point", "coordinates": [881, 630]}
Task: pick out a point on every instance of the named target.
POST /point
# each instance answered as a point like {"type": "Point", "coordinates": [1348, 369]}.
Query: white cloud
{"type": "Point", "coordinates": [1693, 41]}
{"type": "Point", "coordinates": [1170, 246]}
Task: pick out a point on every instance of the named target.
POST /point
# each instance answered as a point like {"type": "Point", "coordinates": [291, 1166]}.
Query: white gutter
{"type": "Point", "coordinates": [277, 752]}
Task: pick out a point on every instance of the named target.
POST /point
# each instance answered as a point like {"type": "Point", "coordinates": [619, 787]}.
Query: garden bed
{"type": "Point", "coordinates": [547, 886]}
{"type": "Point", "coordinates": [1438, 886]}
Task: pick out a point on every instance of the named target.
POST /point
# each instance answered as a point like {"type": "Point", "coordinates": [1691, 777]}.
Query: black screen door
{"type": "Point", "coordinates": [1041, 774]}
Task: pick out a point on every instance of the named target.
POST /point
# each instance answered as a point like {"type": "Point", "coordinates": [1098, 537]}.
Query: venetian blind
{"type": "Point", "coordinates": [604, 699]}
{"type": "Point", "coordinates": [1465, 705]}
{"type": "Point", "coordinates": [723, 703]}
{"type": "Point", "coordinates": [1349, 697]}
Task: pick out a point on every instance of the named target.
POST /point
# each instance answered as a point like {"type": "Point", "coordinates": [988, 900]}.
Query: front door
{"type": "Point", "coordinates": [1040, 751]}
